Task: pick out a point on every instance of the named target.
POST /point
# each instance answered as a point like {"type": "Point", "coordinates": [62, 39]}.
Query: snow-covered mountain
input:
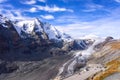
{"type": "Point", "coordinates": [29, 28]}
{"type": "Point", "coordinates": [43, 30]}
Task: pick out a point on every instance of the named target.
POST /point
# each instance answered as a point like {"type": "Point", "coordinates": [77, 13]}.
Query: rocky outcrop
{"type": "Point", "coordinates": [100, 45]}
{"type": "Point", "coordinates": [7, 67]}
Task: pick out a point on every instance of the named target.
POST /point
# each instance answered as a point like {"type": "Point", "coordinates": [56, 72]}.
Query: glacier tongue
{"type": "Point", "coordinates": [79, 57]}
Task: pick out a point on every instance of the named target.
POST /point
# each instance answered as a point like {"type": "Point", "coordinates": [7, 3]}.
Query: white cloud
{"type": "Point", "coordinates": [48, 17]}
{"type": "Point", "coordinates": [53, 8]}
{"type": "Point", "coordinates": [89, 10]}
{"type": "Point", "coordinates": [11, 12]}
{"type": "Point", "coordinates": [29, 2]}
{"type": "Point", "coordinates": [98, 27]}
{"type": "Point", "coordinates": [74, 27]}
{"type": "Point", "coordinates": [2, 1]}
{"type": "Point", "coordinates": [77, 29]}
{"type": "Point", "coordinates": [92, 7]}
{"type": "Point", "coordinates": [66, 1]}
{"type": "Point", "coordinates": [33, 9]}
{"type": "Point", "coordinates": [107, 26]}
{"type": "Point", "coordinates": [117, 1]}
{"type": "Point", "coordinates": [3, 7]}
{"type": "Point", "coordinates": [42, 1]}
{"type": "Point", "coordinates": [15, 14]}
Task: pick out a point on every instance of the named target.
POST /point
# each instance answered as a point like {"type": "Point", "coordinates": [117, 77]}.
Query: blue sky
{"type": "Point", "coordinates": [75, 17]}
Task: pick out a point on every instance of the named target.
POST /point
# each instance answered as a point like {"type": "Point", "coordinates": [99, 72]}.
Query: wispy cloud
{"type": "Point", "coordinates": [11, 12]}
{"type": "Point", "coordinates": [33, 9]}
{"type": "Point", "coordinates": [2, 1]}
{"type": "Point", "coordinates": [66, 1]}
{"type": "Point", "coordinates": [64, 19]}
{"type": "Point", "coordinates": [73, 27]}
{"type": "Point", "coordinates": [53, 8]}
{"type": "Point", "coordinates": [92, 7]}
{"type": "Point", "coordinates": [117, 1]}
{"type": "Point", "coordinates": [28, 2]}
{"type": "Point", "coordinates": [42, 1]}
{"type": "Point", "coordinates": [106, 26]}
{"type": "Point", "coordinates": [48, 17]}
{"type": "Point", "coordinates": [89, 10]}
{"type": "Point", "coordinates": [15, 14]}
{"type": "Point", "coordinates": [98, 27]}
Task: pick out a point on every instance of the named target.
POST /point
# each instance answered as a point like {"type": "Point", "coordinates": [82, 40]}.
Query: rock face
{"type": "Point", "coordinates": [8, 36]}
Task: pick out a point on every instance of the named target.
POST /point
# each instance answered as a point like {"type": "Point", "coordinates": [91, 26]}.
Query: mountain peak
{"type": "Point", "coordinates": [28, 28]}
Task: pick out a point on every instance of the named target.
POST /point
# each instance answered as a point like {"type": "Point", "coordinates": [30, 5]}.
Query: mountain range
{"type": "Point", "coordinates": [35, 50]}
